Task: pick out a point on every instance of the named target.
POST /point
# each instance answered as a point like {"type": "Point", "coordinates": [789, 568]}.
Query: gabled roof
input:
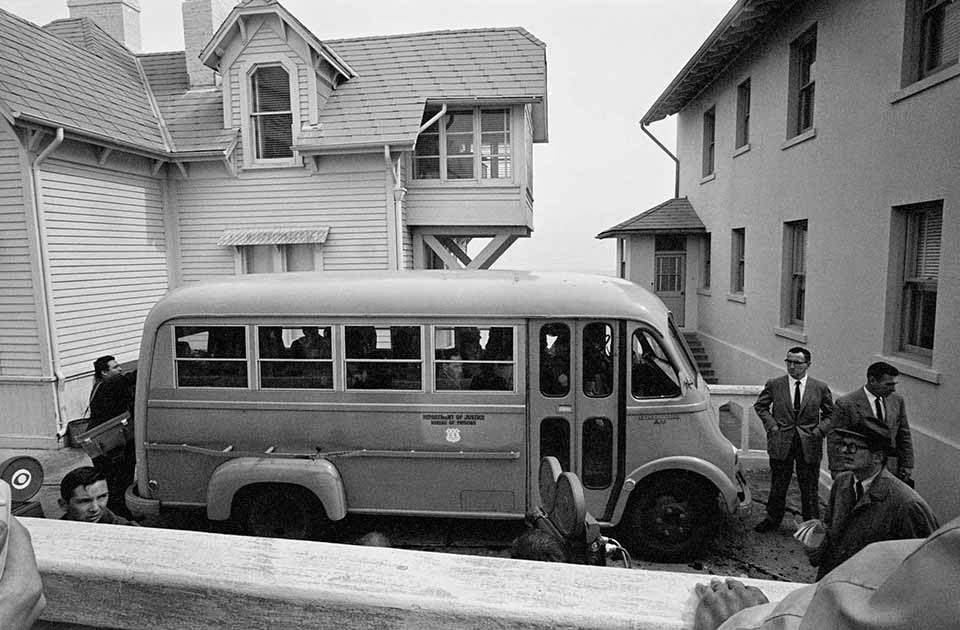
{"type": "Point", "coordinates": [738, 30]}
{"type": "Point", "coordinates": [89, 88]}
{"type": "Point", "coordinates": [72, 74]}
{"type": "Point", "coordinates": [399, 74]}
{"type": "Point", "coordinates": [232, 26]}
{"type": "Point", "coordinates": [673, 216]}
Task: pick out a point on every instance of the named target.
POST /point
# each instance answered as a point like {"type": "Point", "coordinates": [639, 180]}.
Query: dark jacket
{"type": "Point", "coordinates": [889, 510]}
{"type": "Point", "coordinates": [775, 408]}
{"type": "Point", "coordinates": [852, 408]}
{"type": "Point", "coordinates": [111, 397]}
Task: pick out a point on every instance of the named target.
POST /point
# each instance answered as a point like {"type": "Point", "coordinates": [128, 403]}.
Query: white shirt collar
{"type": "Point", "coordinates": [868, 481]}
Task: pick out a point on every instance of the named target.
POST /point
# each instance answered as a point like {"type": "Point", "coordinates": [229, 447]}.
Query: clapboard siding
{"type": "Point", "coordinates": [466, 206]}
{"type": "Point", "coordinates": [347, 196]}
{"type": "Point", "coordinates": [19, 336]}
{"type": "Point", "coordinates": [105, 238]}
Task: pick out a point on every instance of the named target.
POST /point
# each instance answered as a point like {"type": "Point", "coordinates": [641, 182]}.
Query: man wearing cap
{"type": "Point", "coordinates": [877, 400]}
{"type": "Point", "coordinates": [867, 504]}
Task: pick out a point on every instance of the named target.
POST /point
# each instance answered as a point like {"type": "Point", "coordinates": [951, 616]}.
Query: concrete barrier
{"type": "Point", "coordinates": [105, 576]}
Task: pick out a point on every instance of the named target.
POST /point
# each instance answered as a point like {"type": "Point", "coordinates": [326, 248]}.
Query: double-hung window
{"type": "Point", "coordinates": [738, 246]}
{"type": "Point", "coordinates": [709, 138]}
{"type": "Point", "coordinates": [465, 144]}
{"type": "Point", "coordinates": [803, 58]}
{"type": "Point", "coordinates": [743, 114]}
{"type": "Point", "coordinates": [795, 263]}
{"type": "Point", "coordinates": [271, 116]}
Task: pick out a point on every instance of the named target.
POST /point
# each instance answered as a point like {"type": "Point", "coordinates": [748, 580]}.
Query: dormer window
{"type": "Point", "coordinates": [270, 113]}
{"type": "Point", "coordinates": [447, 149]}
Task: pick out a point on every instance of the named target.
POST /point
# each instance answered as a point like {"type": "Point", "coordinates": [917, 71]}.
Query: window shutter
{"type": "Point", "coordinates": [929, 228]}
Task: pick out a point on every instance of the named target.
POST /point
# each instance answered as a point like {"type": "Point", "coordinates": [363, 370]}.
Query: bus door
{"type": "Point", "coordinates": [574, 393]}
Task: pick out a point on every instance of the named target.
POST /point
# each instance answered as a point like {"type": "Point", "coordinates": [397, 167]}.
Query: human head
{"type": "Point", "coordinates": [882, 379]}
{"type": "Point", "coordinates": [105, 367]}
{"type": "Point", "coordinates": [535, 544]}
{"type": "Point", "coordinates": [872, 442]}
{"type": "Point", "coordinates": [798, 361]}
{"type": "Point", "coordinates": [84, 494]}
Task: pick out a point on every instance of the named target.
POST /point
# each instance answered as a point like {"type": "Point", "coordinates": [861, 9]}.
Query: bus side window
{"type": "Point", "coordinates": [653, 376]}
{"type": "Point", "coordinates": [295, 358]}
{"type": "Point", "coordinates": [383, 357]}
{"type": "Point", "coordinates": [555, 360]}
{"type": "Point", "coordinates": [596, 466]}
{"type": "Point", "coordinates": [211, 356]}
{"type": "Point", "coordinates": [477, 358]}
{"type": "Point", "coordinates": [597, 370]}
{"type": "Point", "coordinates": [555, 440]}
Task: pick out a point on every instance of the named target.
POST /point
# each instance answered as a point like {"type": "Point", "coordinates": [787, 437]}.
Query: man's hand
{"type": "Point", "coordinates": [21, 590]}
{"type": "Point", "coordinates": [720, 600]}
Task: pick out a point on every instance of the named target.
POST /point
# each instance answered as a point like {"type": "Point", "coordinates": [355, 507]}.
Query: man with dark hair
{"type": "Point", "coordinates": [877, 401]}
{"type": "Point", "coordinates": [113, 395]}
{"type": "Point", "coordinates": [792, 407]}
{"type": "Point", "coordinates": [84, 496]}
{"type": "Point", "coordinates": [867, 503]}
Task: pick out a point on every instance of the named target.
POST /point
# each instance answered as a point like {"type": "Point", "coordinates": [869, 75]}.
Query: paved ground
{"type": "Point", "coordinates": [737, 551]}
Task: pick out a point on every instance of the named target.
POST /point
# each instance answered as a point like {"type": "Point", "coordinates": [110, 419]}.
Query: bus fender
{"type": "Point", "coordinates": [728, 489]}
{"type": "Point", "coordinates": [316, 475]}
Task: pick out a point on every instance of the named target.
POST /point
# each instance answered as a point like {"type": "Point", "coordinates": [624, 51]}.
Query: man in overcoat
{"type": "Point", "coordinates": [878, 401]}
{"type": "Point", "coordinates": [867, 503]}
{"type": "Point", "coordinates": [792, 408]}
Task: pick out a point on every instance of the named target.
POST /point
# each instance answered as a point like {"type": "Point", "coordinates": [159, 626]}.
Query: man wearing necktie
{"type": "Point", "coordinates": [876, 400]}
{"type": "Point", "coordinates": [791, 408]}
{"type": "Point", "coordinates": [867, 504]}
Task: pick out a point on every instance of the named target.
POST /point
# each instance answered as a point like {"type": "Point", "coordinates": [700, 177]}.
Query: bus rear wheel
{"type": "Point", "coordinates": [672, 518]}
{"type": "Point", "coordinates": [280, 511]}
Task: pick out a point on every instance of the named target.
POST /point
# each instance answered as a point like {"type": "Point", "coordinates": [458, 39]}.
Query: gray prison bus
{"type": "Point", "coordinates": [286, 401]}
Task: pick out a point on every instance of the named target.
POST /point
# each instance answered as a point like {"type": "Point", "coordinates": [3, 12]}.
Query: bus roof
{"type": "Point", "coordinates": [414, 293]}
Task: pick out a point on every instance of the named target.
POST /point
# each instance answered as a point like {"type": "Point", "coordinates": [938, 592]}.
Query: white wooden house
{"type": "Point", "coordinates": [260, 148]}
{"type": "Point", "coordinates": [818, 198]}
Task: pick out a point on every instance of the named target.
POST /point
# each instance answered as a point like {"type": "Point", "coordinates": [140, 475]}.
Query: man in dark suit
{"type": "Point", "coordinates": [877, 400]}
{"type": "Point", "coordinates": [867, 503]}
{"type": "Point", "coordinates": [792, 408]}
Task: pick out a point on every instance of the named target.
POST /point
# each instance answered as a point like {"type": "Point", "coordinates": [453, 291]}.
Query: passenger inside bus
{"type": "Point", "coordinates": [653, 375]}
{"type": "Point", "coordinates": [555, 360]}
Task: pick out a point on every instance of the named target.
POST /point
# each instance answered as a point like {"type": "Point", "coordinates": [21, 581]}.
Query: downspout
{"type": "Point", "coordinates": [398, 192]}
{"type": "Point", "coordinates": [45, 271]}
{"type": "Point", "coordinates": [676, 178]}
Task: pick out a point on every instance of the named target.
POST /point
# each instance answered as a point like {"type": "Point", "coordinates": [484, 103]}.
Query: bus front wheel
{"type": "Point", "coordinates": [671, 518]}
{"type": "Point", "coordinates": [279, 511]}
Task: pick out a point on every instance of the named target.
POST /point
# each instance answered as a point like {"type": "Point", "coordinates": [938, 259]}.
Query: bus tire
{"type": "Point", "coordinates": [279, 511]}
{"type": "Point", "coordinates": [671, 517]}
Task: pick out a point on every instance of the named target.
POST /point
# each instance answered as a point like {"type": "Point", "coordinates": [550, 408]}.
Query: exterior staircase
{"type": "Point", "coordinates": [700, 356]}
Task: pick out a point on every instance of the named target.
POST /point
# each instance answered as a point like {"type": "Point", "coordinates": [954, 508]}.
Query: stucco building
{"type": "Point", "coordinates": [818, 204]}
{"type": "Point", "coordinates": [260, 148]}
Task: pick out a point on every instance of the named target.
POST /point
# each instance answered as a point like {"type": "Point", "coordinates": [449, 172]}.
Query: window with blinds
{"type": "Point", "coordinates": [270, 114]}
{"type": "Point", "coordinates": [921, 272]}
{"type": "Point", "coordinates": [939, 40]}
{"type": "Point", "coordinates": [465, 144]}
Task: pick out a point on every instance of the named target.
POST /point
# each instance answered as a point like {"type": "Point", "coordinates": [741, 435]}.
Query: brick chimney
{"type": "Point", "coordinates": [119, 18]}
{"type": "Point", "coordinates": [201, 19]}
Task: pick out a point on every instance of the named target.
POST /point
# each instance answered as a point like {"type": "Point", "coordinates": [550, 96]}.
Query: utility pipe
{"type": "Point", "coordinates": [398, 193]}
{"type": "Point", "coordinates": [58, 379]}
{"type": "Point", "coordinates": [424, 126]}
{"type": "Point", "coordinates": [676, 178]}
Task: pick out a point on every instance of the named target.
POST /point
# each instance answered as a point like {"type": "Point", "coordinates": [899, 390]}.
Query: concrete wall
{"type": "Point", "coordinates": [876, 145]}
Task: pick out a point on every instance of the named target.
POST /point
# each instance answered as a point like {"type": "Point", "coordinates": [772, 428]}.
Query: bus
{"type": "Point", "coordinates": [286, 401]}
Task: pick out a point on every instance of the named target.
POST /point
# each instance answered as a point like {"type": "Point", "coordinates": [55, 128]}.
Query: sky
{"type": "Point", "coordinates": [607, 62]}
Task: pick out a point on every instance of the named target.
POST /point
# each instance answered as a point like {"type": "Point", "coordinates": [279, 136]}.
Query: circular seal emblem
{"type": "Point", "coordinates": [453, 435]}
